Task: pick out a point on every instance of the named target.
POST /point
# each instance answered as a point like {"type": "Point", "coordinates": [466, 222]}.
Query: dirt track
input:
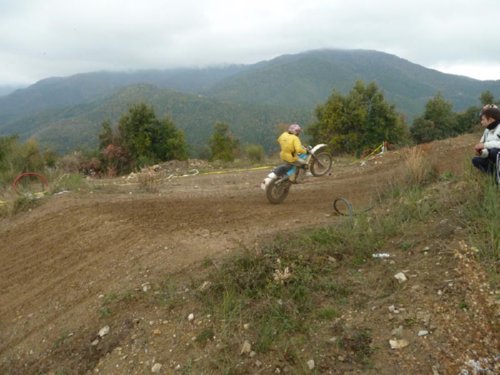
{"type": "Point", "coordinates": [59, 259]}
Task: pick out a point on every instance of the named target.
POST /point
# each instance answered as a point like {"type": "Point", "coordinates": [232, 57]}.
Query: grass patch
{"type": "Point", "coordinates": [61, 339]}
{"type": "Point", "coordinates": [104, 312]}
{"type": "Point", "coordinates": [205, 336]}
{"type": "Point", "coordinates": [31, 193]}
{"type": "Point", "coordinates": [326, 313]}
{"type": "Point", "coordinates": [480, 215]}
{"type": "Point", "coordinates": [112, 300]}
{"type": "Point", "coordinates": [463, 305]}
{"type": "Point", "coordinates": [69, 182]}
{"type": "Point", "coordinates": [166, 295]}
{"type": "Point", "coordinates": [25, 203]}
{"type": "Point", "coordinates": [358, 343]}
{"type": "Point", "coordinates": [287, 291]}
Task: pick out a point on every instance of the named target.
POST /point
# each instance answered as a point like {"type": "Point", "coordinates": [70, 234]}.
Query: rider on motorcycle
{"type": "Point", "coordinates": [292, 152]}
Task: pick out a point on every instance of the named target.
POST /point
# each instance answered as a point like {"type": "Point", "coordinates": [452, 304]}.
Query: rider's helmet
{"type": "Point", "coordinates": [294, 129]}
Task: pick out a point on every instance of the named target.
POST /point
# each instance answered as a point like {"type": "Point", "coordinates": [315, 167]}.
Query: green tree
{"type": "Point", "coordinates": [468, 120]}
{"type": "Point", "coordinates": [486, 97]}
{"type": "Point", "coordinates": [135, 133]}
{"type": "Point", "coordinates": [360, 120]}
{"type": "Point", "coordinates": [168, 142]}
{"type": "Point", "coordinates": [142, 139]}
{"type": "Point", "coordinates": [223, 145]}
{"type": "Point", "coordinates": [438, 122]}
{"type": "Point", "coordinates": [106, 135]}
{"type": "Point", "coordinates": [148, 139]}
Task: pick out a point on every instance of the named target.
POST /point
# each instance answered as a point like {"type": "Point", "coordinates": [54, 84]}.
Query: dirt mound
{"type": "Point", "coordinates": [63, 260]}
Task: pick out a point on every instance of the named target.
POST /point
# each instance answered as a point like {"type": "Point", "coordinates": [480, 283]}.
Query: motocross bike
{"type": "Point", "coordinates": [277, 184]}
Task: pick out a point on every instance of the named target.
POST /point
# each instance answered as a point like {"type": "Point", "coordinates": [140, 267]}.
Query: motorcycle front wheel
{"type": "Point", "coordinates": [277, 190]}
{"type": "Point", "coordinates": [321, 164]}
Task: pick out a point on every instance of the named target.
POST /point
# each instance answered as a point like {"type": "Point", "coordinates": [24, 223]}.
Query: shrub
{"type": "Point", "coordinates": [223, 145]}
{"type": "Point", "coordinates": [255, 153]}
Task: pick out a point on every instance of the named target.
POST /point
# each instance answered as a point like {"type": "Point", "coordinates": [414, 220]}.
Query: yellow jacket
{"type": "Point", "coordinates": [290, 147]}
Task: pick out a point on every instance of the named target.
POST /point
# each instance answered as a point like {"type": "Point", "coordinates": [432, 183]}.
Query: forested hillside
{"type": "Point", "coordinates": [66, 112]}
{"type": "Point", "coordinates": [304, 80]}
{"type": "Point", "coordinates": [77, 127]}
{"type": "Point", "coordinates": [60, 92]}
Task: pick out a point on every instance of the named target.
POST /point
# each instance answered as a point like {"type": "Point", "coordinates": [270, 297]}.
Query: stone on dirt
{"type": "Point", "coordinates": [311, 364]}
{"type": "Point", "coordinates": [398, 344]}
{"type": "Point", "coordinates": [246, 348]}
{"type": "Point", "coordinates": [104, 331]}
{"type": "Point", "coordinates": [205, 286]}
{"type": "Point", "coordinates": [401, 277]}
{"type": "Point", "coordinates": [156, 368]}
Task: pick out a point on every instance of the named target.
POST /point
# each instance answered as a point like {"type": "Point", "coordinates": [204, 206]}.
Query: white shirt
{"type": "Point", "coordinates": [491, 138]}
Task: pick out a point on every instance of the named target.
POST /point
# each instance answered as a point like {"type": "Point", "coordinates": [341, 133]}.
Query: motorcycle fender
{"type": "Point", "coordinates": [318, 147]}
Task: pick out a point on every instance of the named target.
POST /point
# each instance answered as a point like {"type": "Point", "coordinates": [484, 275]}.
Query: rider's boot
{"type": "Point", "coordinates": [307, 171]}
{"type": "Point", "coordinates": [294, 178]}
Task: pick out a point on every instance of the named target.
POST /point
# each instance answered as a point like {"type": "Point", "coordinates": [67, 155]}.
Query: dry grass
{"type": "Point", "coordinates": [149, 179]}
{"type": "Point", "coordinates": [419, 166]}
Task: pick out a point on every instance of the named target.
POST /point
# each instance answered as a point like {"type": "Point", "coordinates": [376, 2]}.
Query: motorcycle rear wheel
{"type": "Point", "coordinates": [277, 190]}
{"type": "Point", "coordinates": [321, 165]}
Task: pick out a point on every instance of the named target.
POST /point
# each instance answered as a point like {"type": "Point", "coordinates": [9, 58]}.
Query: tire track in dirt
{"type": "Point", "coordinates": [40, 256]}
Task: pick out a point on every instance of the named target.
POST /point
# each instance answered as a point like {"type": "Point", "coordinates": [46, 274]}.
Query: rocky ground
{"type": "Point", "coordinates": [65, 261]}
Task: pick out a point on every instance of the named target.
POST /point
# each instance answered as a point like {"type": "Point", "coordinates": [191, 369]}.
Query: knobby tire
{"type": "Point", "coordinates": [277, 191]}
{"type": "Point", "coordinates": [322, 164]}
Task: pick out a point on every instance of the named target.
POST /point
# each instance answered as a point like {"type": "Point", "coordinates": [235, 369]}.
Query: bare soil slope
{"type": "Point", "coordinates": [59, 259]}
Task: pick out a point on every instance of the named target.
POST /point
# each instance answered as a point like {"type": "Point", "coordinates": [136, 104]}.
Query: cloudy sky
{"type": "Point", "coordinates": [46, 38]}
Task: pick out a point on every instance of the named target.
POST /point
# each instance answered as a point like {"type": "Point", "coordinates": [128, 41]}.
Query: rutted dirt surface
{"type": "Point", "coordinates": [59, 259]}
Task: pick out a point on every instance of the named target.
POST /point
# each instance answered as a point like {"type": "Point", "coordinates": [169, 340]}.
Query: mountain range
{"type": "Point", "coordinates": [66, 113]}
